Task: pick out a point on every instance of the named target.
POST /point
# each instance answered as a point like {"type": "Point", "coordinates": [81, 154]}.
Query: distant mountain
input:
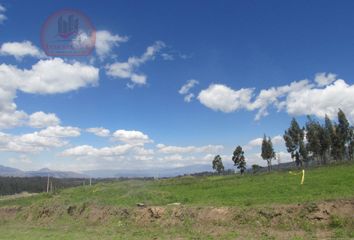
{"type": "Point", "coordinates": [14, 172]}
{"type": "Point", "coordinates": [11, 172]}
{"type": "Point", "coordinates": [153, 172]}
{"type": "Point", "coordinates": [128, 173]}
{"type": "Point", "coordinates": [57, 174]}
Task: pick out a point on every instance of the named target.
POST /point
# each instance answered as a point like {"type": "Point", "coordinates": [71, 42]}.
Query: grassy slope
{"type": "Point", "coordinates": [324, 183]}
{"type": "Point", "coordinates": [278, 187]}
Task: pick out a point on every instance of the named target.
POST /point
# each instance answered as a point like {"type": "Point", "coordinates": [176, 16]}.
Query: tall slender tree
{"type": "Point", "coordinates": [351, 144]}
{"type": "Point", "coordinates": [313, 129]}
{"type": "Point", "coordinates": [331, 131]}
{"type": "Point", "coordinates": [239, 159]}
{"type": "Point", "coordinates": [267, 151]}
{"type": "Point", "coordinates": [217, 164]}
{"type": "Point", "coordinates": [343, 132]}
{"type": "Point", "coordinates": [293, 138]}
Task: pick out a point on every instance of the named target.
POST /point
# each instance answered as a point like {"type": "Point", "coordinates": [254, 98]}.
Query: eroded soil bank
{"type": "Point", "coordinates": [321, 220]}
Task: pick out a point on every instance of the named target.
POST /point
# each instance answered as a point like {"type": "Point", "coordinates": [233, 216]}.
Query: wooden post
{"type": "Point", "coordinates": [48, 184]}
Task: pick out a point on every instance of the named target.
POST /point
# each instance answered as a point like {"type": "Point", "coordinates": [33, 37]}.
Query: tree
{"type": "Point", "coordinates": [331, 131]}
{"type": "Point", "coordinates": [239, 159]}
{"type": "Point", "coordinates": [267, 151]}
{"type": "Point", "coordinates": [313, 138]}
{"type": "Point", "coordinates": [343, 132]}
{"type": "Point", "coordinates": [294, 138]}
{"type": "Point", "coordinates": [217, 164]}
{"type": "Point", "coordinates": [255, 168]}
{"type": "Point", "coordinates": [351, 144]}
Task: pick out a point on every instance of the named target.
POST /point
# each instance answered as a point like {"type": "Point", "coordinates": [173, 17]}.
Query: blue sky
{"type": "Point", "coordinates": [256, 64]}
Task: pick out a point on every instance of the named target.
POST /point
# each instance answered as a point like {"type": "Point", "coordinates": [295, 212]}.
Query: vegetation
{"type": "Point", "coordinates": [239, 159]}
{"type": "Point", "coordinates": [217, 164]}
{"type": "Point", "coordinates": [328, 142]}
{"type": "Point", "coordinates": [328, 182]}
{"type": "Point", "coordinates": [13, 185]}
{"type": "Point", "coordinates": [216, 207]}
{"type": "Point", "coordinates": [267, 151]}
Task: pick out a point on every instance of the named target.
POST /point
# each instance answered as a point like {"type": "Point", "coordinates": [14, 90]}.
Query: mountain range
{"type": "Point", "coordinates": [124, 173]}
{"type": "Point", "coordinates": [44, 172]}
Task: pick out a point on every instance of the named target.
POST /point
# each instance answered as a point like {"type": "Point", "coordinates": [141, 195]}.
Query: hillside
{"type": "Point", "coordinates": [206, 207]}
{"type": "Point", "coordinates": [44, 172]}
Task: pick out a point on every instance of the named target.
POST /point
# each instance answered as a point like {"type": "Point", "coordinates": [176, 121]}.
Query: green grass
{"type": "Point", "coordinates": [323, 183]}
{"type": "Point", "coordinates": [246, 194]}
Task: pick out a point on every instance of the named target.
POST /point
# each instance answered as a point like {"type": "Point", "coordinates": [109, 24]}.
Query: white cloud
{"type": "Point", "coordinates": [12, 119]}
{"type": "Point", "coordinates": [323, 79]}
{"type": "Point", "coordinates": [189, 149]}
{"type": "Point", "coordinates": [257, 142]}
{"type": "Point", "coordinates": [297, 98]}
{"type": "Point", "coordinates": [188, 86]}
{"type": "Point", "coordinates": [101, 132]}
{"type": "Point", "coordinates": [53, 76]}
{"type": "Point", "coordinates": [89, 151]}
{"type": "Point", "coordinates": [42, 120]}
{"type": "Point", "coordinates": [188, 97]}
{"type": "Point", "coordinates": [185, 90]}
{"type": "Point", "coordinates": [131, 137]}
{"type": "Point", "coordinates": [106, 41]}
{"type": "Point", "coordinates": [2, 15]}
{"type": "Point", "coordinates": [49, 76]}
{"type": "Point", "coordinates": [168, 57]}
{"type": "Point", "coordinates": [222, 98]}
{"type": "Point", "coordinates": [51, 137]}
{"type": "Point", "coordinates": [20, 50]}
{"type": "Point", "coordinates": [321, 101]}
{"type": "Point", "coordinates": [60, 131]}
{"type": "Point", "coordinates": [128, 69]}
{"type": "Point", "coordinates": [275, 96]}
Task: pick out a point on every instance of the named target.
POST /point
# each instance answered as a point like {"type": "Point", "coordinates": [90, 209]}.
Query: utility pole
{"type": "Point", "coordinates": [48, 183]}
{"type": "Point", "coordinates": [90, 181]}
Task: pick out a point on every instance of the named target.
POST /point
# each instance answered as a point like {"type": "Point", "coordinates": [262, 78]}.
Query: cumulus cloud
{"type": "Point", "coordinates": [106, 41]}
{"type": "Point", "coordinates": [128, 69]}
{"type": "Point", "coordinates": [297, 98]}
{"type": "Point", "coordinates": [90, 151]}
{"type": "Point", "coordinates": [185, 90]}
{"type": "Point", "coordinates": [101, 132]}
{"type": "Point", "coordinates": [42, 120]}
{"type": "Point", "coordinates": [60, 131]}
{"type": "Point", "coordinates": [49, 76]}
{"type": "Point", "coordinates": [257, 142]}
{"type": "Point", "coordinates": [20, 50]}
{"type": "Point", "coordinates": [323, 79]}
{"type": "Point", "coordinates": [189, 149]}
{"type": "Point", "coordinates": [131, 137]}
{"type": "Point", "coordinates": [2, 15]}
{"type": "Point", "coordinates": [222, 98]}
{"type": "Point", "coordinates": [51, 137]}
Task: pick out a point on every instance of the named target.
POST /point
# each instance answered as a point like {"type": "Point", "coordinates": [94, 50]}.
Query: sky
{"type": "Point", "coordinates": [169, 83]}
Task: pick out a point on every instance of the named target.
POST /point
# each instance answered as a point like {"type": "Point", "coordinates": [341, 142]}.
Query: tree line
{"type": "Point", "coordinates": [316, 142]}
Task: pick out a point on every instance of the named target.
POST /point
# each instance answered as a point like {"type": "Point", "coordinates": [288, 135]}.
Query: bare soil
{"type": "Point", "coordinates": [318, 220]}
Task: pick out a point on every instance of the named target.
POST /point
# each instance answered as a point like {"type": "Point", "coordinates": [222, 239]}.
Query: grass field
{"type": "Point", "coordinates": [239, 203]}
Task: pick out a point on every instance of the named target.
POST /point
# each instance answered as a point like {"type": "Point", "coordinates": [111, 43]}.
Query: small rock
{"type": "Point", "coordinates": [174, 204]}
{"type": "Point", "coordinates": [140, 205]}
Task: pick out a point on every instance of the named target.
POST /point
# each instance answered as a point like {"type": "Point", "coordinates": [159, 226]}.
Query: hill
{"type": "Point", "coordinates": [258, 206]}
{"type": "Point", "coordinates": [44, 172]}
